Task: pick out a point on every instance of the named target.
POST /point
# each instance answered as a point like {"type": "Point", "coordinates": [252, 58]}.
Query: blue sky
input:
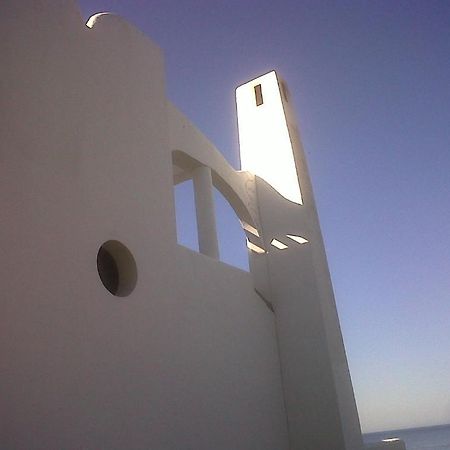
{"type": "Point", "coordinates": [371, 86]}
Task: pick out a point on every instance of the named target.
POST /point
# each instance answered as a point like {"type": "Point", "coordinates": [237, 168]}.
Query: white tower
{"type": "Point", "coordinates": [263, 128]}
{"type": "Point", "coordinates": [318, 393]}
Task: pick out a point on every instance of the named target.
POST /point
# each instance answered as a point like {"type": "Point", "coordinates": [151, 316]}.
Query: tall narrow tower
{"type": "Point", "coordinates": [318, 393]}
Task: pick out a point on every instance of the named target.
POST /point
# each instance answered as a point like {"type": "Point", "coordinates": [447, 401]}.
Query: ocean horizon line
{"type": "Point", "coordinates": [442, 425]}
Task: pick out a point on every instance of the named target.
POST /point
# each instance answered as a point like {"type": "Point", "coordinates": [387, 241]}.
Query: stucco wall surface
{"type": "Point", "coordinates": [189, 359]}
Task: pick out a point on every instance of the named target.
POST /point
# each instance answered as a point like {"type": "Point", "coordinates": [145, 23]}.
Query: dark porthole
{"type": "Point", "coordinates": [116, 268]}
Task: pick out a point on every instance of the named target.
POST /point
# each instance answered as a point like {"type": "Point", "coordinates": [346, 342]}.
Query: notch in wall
{"type": "Point", "coordinates": [258, 95]}
{"type": "Point", "coordinates": [255, 248]}
{"type": "Point", "coordinates": [278, 244]}
{"type": "Point", "coordinates": [298, 239]}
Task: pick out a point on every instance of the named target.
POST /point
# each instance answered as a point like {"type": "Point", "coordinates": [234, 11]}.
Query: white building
{"type": "Point", "coordinates": [113, 336]}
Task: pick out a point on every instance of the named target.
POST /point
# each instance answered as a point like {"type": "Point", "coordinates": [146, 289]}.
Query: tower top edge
{"type": "Point", "coordinates": [272, 73]}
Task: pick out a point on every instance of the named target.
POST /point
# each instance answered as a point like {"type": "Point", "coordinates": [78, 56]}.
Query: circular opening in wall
{"type": "Point", "coordinates": [117, 268]}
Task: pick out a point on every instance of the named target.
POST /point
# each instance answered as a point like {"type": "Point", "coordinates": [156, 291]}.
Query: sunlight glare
{"type": "Point", "coordinates": [265, 145]}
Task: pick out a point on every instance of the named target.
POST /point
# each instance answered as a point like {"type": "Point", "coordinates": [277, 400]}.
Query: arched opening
{"type": "Point", "coordinates": [185, 214]}
{"type": "Point", "coordinates": [226, 204]}
{"type": "Point", "coordinates": [232, 243]}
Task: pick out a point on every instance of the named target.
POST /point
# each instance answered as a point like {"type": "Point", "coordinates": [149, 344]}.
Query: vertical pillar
{"type": "Point", "coordinates": [320, 404]}
{"type": "Point", "coordinates": [206, 217]}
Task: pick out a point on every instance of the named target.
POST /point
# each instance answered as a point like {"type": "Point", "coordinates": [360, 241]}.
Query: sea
{"type": "Point", "coordinates": [427, 438]}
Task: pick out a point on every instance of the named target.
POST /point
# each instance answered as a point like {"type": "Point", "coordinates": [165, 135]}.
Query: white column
{"type": "Point", "coordinates": [206, 217]}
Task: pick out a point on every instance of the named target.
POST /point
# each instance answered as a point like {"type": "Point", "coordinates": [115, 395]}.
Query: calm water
{"type": "Point", "coordinates": [429, 438]}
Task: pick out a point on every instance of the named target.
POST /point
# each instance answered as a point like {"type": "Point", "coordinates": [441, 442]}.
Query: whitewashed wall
{"type": "Point", "coordinates": [189, 359]}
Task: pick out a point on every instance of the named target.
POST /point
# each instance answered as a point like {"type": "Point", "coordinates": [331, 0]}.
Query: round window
{"type": "Point", "coordinates": [117, 268]}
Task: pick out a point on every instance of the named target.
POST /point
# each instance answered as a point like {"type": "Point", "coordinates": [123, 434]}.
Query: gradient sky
{"type": "Point", "coordinates": [371, 85]}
